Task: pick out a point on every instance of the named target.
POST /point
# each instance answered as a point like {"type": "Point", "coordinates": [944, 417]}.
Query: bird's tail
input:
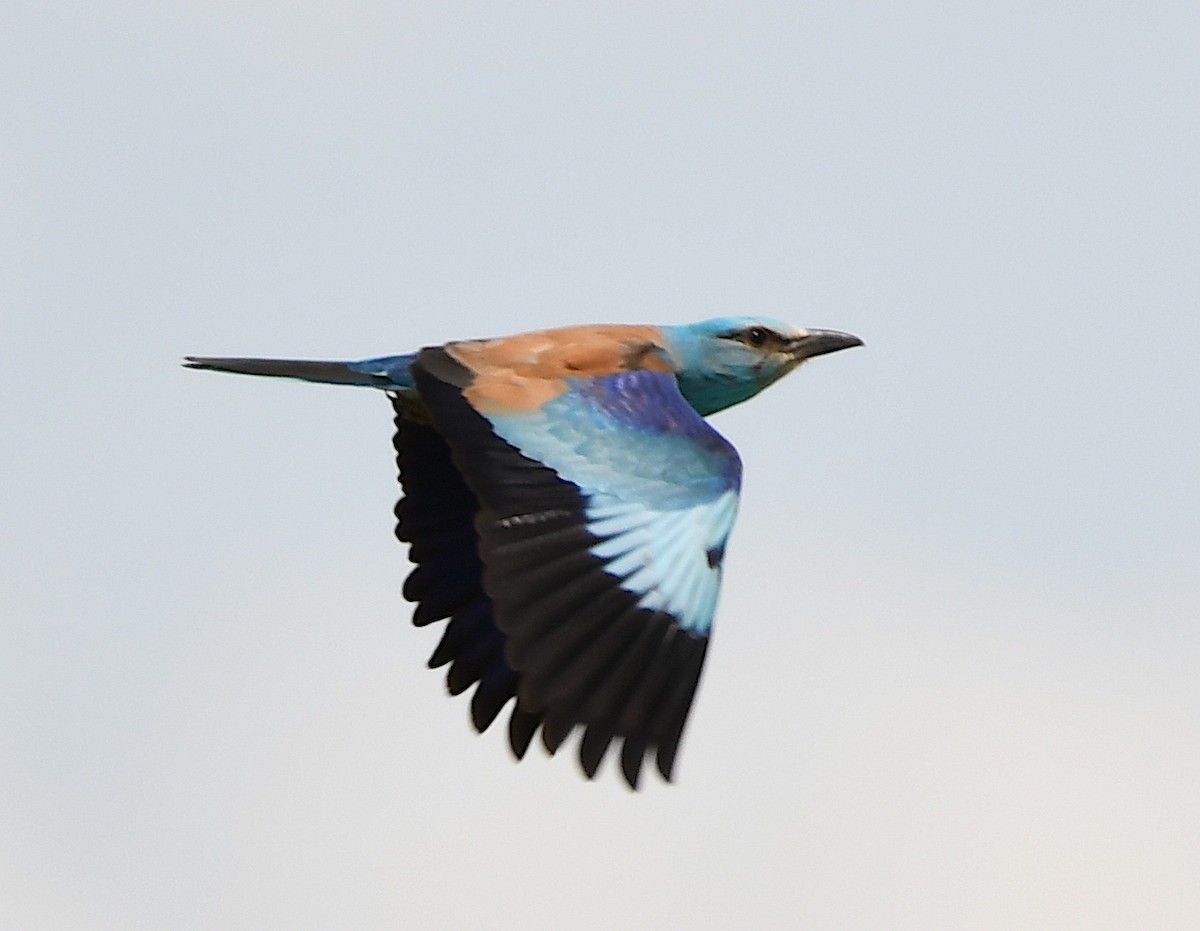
{"type": "Point", "coordinates": [389, 373]}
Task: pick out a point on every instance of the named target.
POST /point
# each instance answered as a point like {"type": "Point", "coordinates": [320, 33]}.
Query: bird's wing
{"type": "Point", "coordinates": [605, 504]}
{"type": "Point", "coordinates": [436, 517]}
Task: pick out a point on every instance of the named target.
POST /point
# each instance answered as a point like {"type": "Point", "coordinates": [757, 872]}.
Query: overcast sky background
{"type": "Point", "coordinates": [955, 676]}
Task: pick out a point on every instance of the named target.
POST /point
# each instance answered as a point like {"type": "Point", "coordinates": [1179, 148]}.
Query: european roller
{"type": "Point", "coordinates": [567, 507]}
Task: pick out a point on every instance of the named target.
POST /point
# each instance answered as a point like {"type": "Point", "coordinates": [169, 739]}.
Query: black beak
{"type": "Point", "coordinates": [820, 342]}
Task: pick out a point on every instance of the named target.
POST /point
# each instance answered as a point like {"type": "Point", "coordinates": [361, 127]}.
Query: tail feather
{"type": "Point", "coordinates": [370, 374]}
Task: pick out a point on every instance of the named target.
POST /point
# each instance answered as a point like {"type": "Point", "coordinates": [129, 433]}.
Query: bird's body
{"type": "Point", "coordinates": [567, 507]}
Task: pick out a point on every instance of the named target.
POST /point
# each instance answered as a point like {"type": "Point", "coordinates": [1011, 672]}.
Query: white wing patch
{"type": "Point", "coordinates": [663, 556]}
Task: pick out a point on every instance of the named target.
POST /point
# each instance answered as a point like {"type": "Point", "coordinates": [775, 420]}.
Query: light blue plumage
{"type": "Point", "coordinates": [660, 485]}
{"type": "Point", "coordinates": [568, 510]}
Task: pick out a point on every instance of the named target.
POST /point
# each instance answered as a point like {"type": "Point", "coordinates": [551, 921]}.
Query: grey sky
{"type": "Point", "coordinates": [954, 677]}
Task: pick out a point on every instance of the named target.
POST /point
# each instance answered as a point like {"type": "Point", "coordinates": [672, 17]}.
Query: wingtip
{"type": "Point", "coordinates": [521, 727]}
{"type": "Point", "coordinates": [633, 753]}
{"type": "Point", "coordinates": [665, 762]}
{"type": "Point", "coordinates": [593, 747]}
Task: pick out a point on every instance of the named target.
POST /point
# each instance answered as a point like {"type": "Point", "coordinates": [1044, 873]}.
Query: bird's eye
{"type": "Point", "coordinates": [756, 336]}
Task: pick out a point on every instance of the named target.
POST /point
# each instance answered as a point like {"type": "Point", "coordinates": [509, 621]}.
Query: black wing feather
{"type": "Point", "coordinates": [436, 517]}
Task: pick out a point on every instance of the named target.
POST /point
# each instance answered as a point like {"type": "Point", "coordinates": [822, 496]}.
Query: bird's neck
{"type": "Point", "coordinates": [710, 393]}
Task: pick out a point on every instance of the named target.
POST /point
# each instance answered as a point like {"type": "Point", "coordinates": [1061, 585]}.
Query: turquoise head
{"type": "Point", "coordinates": [725, 361]}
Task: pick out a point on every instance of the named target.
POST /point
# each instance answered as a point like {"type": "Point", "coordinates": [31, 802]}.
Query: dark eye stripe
{"type": "Point", "coordinates": [755, 336]}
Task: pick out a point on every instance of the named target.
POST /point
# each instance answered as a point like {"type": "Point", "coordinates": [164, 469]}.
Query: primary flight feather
{"type": "Point", "coordinates": [567, 508]}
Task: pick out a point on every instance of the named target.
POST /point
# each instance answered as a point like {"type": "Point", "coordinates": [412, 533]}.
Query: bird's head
{"type": "Point", "coordinates": [723, 362]}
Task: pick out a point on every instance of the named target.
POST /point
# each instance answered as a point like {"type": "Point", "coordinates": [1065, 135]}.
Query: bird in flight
{"type": "Point", "coordinates": [566, 507]}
